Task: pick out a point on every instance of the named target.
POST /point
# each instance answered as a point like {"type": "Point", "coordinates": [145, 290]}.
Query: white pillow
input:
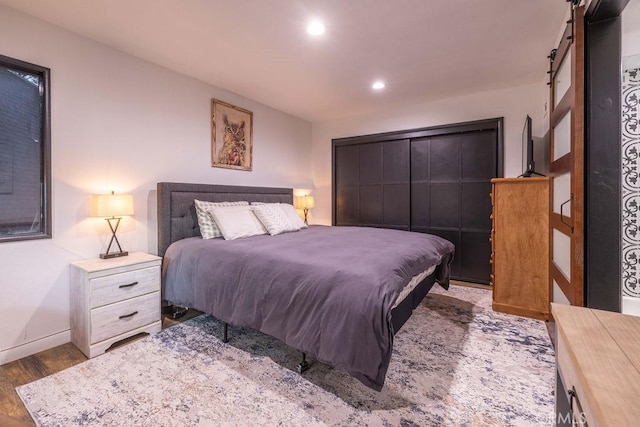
{"type": "Point", "coordinates": [236, 222]}
{"type": "Point", "coordinates": [208, 227]}
{"type": "Point", "coordinates": [273, 218]}
{"type": "Point", "coordinates": [293, 216]}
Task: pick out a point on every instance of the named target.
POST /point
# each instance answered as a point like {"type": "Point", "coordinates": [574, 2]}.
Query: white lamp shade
{"type": "Point", "coordinates": [109, 205]}
{"type": "Point", "coordinates": [304, 202]}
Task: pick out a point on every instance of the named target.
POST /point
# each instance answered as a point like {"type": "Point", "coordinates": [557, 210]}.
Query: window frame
{"type": "Point", "coordinates": [45, 231]}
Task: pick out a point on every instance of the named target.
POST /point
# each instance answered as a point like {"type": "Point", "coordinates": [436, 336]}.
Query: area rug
{"type": "Point", "coordinates": [455, 363]}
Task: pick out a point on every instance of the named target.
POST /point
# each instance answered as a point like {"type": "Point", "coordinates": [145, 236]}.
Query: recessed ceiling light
{"type": "Point", "coordinates": [315, 28]}
{"type": "Point", "coordinates": [378, 85]}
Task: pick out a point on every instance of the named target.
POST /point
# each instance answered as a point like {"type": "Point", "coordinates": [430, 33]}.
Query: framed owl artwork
{"type": "Point", "coordinates": [231, 136]}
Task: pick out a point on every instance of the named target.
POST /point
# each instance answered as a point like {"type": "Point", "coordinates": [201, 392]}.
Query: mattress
{"type": "Point", "coordinates": [415, 281]}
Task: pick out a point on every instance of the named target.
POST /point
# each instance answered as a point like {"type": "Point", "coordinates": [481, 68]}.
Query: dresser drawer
{"type": "Point", "coordinates": [121, 317]}
{"type": "Point", "coordinates": [118, 287]}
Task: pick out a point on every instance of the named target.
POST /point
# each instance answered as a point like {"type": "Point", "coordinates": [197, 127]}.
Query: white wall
{"type": "Point", "coordinates": [630, 41]}
{"type": "Point", "coordinates": [631, 29]}
{"type": "Point", "coordinates": [118, 123]}
{"type": "Point", "coordinates": [513, 104]}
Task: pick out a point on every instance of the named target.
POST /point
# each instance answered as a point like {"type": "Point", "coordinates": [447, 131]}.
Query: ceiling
{"type": "Point", "coordinates": [423, 49]}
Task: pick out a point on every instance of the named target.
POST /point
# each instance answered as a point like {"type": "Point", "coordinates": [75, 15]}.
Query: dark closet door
{"type": "Point", "coordinates": [347, 184]}
{"type": "Point", "coordinates": [450, 187]}
{"type": "Point", "coordinates": [430, 180]}
{"type": "Point", "coordinates": [373, 185]}
{"type": "Point", "coordinates": [396, 189]}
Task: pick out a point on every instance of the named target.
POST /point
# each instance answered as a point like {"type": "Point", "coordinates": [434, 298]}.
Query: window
{"type": "Point", "coordinates": [25, 151]}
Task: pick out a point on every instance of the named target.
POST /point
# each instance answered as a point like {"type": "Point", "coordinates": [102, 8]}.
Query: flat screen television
{"type": "Point", "coordinates": [528, 155]}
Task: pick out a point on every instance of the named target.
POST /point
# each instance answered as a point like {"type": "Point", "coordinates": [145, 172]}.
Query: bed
{"type": "Point", "coordinates": [338, 294]}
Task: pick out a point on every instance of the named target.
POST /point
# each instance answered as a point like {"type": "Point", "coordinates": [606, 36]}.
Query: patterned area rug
{"type": "Point", "coordinates": [455, 362]}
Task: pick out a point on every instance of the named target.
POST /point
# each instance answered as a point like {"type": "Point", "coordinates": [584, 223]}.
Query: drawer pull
{"type": "Point", "coordinates": [128, 315]}
{"type": "Point", "coordinates": [128, 285]}
{"type": "Point", "coordinates": [574, 396]}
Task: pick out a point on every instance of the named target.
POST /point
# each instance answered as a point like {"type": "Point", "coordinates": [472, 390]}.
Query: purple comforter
{"type": "Point", "coordinates": [326, 291]}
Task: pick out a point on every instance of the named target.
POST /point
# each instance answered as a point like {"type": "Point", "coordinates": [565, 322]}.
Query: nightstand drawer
{"type": "Point", "coordinates": [118, 318]}
{"type": "Point", "coordinates": [118, 287]}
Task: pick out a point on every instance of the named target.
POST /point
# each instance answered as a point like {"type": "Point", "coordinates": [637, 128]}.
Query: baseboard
{"type": "Point", "coordinates": [520, 311]}
{"type": "Point", "coordinates": [471, 285]}
{"type": "Point", "coordinates": [33, 347]}
{"type": "Point", "coordinates": [631, 305]}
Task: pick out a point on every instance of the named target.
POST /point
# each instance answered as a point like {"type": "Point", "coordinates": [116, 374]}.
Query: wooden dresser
{"type": "Point", "coordinates": [520, 246]}
{"type": "Point", "coordinates": [598, 362]}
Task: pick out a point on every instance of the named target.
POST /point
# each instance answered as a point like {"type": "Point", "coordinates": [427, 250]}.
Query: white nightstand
{"type": "Point", "coordinates": [113, 299]}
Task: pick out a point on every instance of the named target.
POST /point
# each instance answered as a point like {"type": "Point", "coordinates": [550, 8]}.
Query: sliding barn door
{"type": "Point", "coordinates": [567, 161]}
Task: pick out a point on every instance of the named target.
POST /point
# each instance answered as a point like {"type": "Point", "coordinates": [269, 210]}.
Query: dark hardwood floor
{"type": "Point", "coordinates": [40, 365]}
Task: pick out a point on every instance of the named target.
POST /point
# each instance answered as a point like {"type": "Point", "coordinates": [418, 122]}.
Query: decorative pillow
{"type": "Point", "coordinates": [235, 222]}
{"type": "Point", "coordinates": [293, 216]}
{"type": "Point", "coordinates": [208, 227]}
{"type": "Point", "coordinates": [273, 218]}
{"type": "Point", "coordinates": [290, 213]}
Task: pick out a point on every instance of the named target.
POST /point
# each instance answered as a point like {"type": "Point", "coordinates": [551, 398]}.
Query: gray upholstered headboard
{"type": "Point", "coordinates": [177, 214]}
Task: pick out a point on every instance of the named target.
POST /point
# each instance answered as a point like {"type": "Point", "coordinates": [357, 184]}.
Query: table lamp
{"type": "Point", "coordinates": [113, 207]}
{"type": "Point", "coordinates": [305, 203]}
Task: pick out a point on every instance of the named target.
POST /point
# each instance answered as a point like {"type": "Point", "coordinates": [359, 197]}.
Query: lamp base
{"type": "Point", "coordinates": [114, 255]}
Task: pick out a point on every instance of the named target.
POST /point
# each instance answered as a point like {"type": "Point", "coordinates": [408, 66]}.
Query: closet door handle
{"type": "Point", "coordinates": [562, 214]}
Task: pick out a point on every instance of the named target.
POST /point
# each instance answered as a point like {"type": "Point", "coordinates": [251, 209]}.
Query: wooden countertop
{"type": "Point", "coordinates": [604, 349]}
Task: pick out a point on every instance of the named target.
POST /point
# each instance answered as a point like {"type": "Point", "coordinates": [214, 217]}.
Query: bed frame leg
{"type": "Point", "coordinates": [304, 365]}
{"type": "Point", "coordinates": [225, 337]}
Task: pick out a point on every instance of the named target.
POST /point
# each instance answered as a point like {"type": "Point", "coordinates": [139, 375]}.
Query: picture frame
{"type": "Point", "coordinates": [231, 136]}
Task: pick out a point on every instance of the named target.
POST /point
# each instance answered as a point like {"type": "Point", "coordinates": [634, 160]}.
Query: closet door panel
{"type": "Point", "coordinates": [419, 160]}
{"type": "Point", "coordinates": [395, 161]}
{"type": "Point", "coordinates": [370, 164]}
{"type": "Point", "coordinates": [474, 266]}
{"type": "Point", "coordinates": [371, 205]}
{"type": "Point", "coordinates": [444, 158]}
{"type": "Point", "coordinates": [348, 205]}
{"type": "Point", "coordinates": [396, 206]}
{"type": "Point", "coordinates": [419, 204]}
{"type": "Point", "coordinates": [445, 205]}
{"type": "Point", "coordinates": [476, 206]}
{"type": "Point", "coordinates": [347, 165]}
{"type": "Point", "coordinates": [478, 151]}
